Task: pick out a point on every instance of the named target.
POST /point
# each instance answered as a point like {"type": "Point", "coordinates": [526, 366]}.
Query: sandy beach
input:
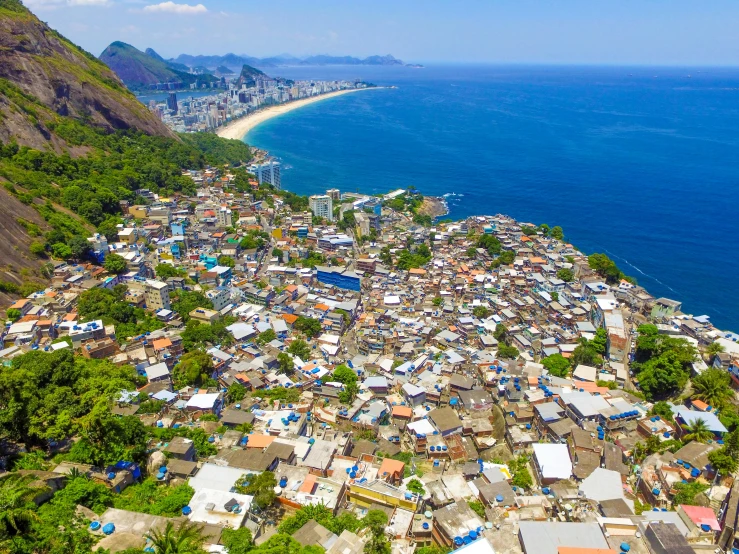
{"type": "Point", "coordinates": [239, 128]}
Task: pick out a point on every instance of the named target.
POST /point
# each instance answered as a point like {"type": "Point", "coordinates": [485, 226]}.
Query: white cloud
{"type": "Point", "coordinates": [88, 2]}
{"type": "Point", "coordinates": [171, 7]}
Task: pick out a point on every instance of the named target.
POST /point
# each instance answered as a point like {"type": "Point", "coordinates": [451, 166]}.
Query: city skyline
{"type": "Point", "coordinates": [630, 33]}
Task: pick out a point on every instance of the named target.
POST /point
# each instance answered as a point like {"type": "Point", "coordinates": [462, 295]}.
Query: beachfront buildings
{"type": "Point", "coordinates": [322, 206]}
{"type": "Point", "coordinates": [267, 172]}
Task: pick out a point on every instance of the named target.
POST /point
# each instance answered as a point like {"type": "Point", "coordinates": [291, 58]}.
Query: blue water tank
{"type": "Point", "coordinates": [94, 526]}
{"type": "Point", "coordinates": [186, 511]}
{"type": "Point", "coordinates": [108, 528]}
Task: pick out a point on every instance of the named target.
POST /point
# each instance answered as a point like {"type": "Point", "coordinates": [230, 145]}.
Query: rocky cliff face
{"type": "Point", "coordinates": [43, 76]}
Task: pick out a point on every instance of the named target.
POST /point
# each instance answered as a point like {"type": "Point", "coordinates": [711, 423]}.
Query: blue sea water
{"type": "Point", "coordinates": [639, 163]}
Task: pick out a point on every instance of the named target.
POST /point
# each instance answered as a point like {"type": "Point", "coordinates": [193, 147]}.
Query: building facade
{"type": "Point", "coordinates": [157, 295]}
{"type": "Point", "coordinates": [322, 206]}
{"type": "Point", "coordinates": [267, 172]}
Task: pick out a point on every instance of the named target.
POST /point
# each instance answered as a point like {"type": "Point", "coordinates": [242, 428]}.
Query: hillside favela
{"type": "Point", "coordinates": [215, 343]}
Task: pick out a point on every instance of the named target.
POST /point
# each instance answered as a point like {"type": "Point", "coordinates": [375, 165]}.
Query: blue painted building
{"type": "Point", "coordinates": [338, 277]}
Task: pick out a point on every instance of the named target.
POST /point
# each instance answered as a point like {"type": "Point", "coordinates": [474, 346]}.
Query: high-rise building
{"type": "Point", "coordinates": [157, 295]}
{"type": "Point", "coordinates": [225, 217]}
{"type": "Point", "coordinates": [335, 195]}
{"type": "Point", "coordinates": [172, 101]}
{"type": "Point", "coordinates": [322, 206]}
{"type": "Point", "coordinates": [267, 172]}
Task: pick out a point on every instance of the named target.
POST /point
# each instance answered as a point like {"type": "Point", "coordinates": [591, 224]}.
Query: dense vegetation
{"type": "Point", "coordinates": [662, 362]}
{"type": "Point", "coordinates": [607, 268]}
{"type": "Point", "coordinates": [115, 167]}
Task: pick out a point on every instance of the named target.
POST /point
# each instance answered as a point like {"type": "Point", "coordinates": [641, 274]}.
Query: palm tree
{"type": "Point", "coordinates": [17, 510]}
{"type": "Point", "coordinates": [713, 387]}
{"type": "Point", "coordinates": [698, 431]}
{"type": "Point", "coordinates": [185, 539]}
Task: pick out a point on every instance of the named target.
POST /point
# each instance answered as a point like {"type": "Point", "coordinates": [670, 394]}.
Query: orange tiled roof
{"type": "Point", "coordinates": [402, 411]}
{"type": "Point", "coordinates": [259, 441]}
{"type": "Point", "coordinates": [700, 405]}
{"type": "Point", "coordinates": [290, 318]}
{"type": "Point", "coordinates": [392, 467]}
{"type": "Point", "coordinates": [309, 483]}
{"type": "Point", "coordinates": [161, 343]}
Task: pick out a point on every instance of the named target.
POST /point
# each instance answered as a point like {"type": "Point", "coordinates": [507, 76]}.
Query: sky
{"type": "Point", "coordinates": [639, 32]}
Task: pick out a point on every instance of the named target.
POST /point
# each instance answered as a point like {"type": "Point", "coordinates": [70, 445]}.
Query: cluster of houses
{"type": "Point", "coordinates": [435, 405]}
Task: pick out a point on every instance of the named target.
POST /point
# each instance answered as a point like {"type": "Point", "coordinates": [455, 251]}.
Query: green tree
{"type": "Point", "coordinates": [376, 520]}
{"type": "Point", "coordinates": [266, 336]}
{"type": "Point", "coordinates": [16, 500]}
{"type": "Point", "coordinates": [236, 392]}
{"type": "Point", "coordinates": [698, 431]}
{"type": "Point", "coordinates": [183, 539]}
{"type": "Point", "coordinates": [507, 352]}
{"type": "Point", "coordinates": [414, 485]}
{"type": "Point", "coordinates": [115, 264]}
{"type": "Point", "coordinates": [194, 368]}
{"type": "Point", "coordinates": [349, 393]}
{"type": "Point", "coordinates": [480, 312]}
{"type": "Point", "coordinates": [227, 261]}
{"type": "Point", "coordinates": [713, 386]}
{"type": "Point", "coordinates": [500, 332]}
{"type": "Point", "coordinates": [165, 271]}
{"type": "Point", "coordinates": [13, 314]}
{"type": "Point", "coordinates": [520, 470]}
{"type": "Point", "coordinates": [557, 365]}
{"type": "Point", "coordinates": [477, 507]}
{"type": "Point", "coordinates": [300, 349]}
{"type": "Point", "coordinates": [471, 252]}
{"type": "Point", "coordinates": [183, 302]}
{"type": "Point", "coordinates": [437, 301]}
{"type": "Point", "coordinates": [687, 493]}
{"type": "Point", "coordinates": [565, 274]}
{"type": "Point", "coordinates": [662, 409]}
{"type": "Point", "coordinates": [37, 249]}
{"type": "Point", "coordinates": [80, 247]}
{"type": "Point", "coordinates": [287, 365]}
{"type": "Point", "coordinates": [344, 374]}
{"type": "Point", "coordinates": [61, 250]}
{"type": "Point", "coordinates": [714, 349]}
{"type": "Point", "coordinates": [309, 326]}
{"type": "Point", "coordinates": [237, 541]}
{"type": "Point", "coordinates": [260, 486]}
{"type": "Point", "coordinates": [557, 233]}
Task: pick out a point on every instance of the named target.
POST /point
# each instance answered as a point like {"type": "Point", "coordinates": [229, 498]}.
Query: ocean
{"type": "Point", "coordinates": [640, 163]}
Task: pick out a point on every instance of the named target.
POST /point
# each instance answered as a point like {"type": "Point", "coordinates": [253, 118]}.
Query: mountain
{"type": "Point", "coordinates": [234, 61]}
{"type": "Point", "coordinates": [43, 76]}
{"type": "Point", "coordinates": [249, 75]}
{"type": "Point", "coordinates": [151, 52]}
{"type": "Point", "coordinates": [74, 143]}
{"type": "Point", "coordinates": [139, 70]}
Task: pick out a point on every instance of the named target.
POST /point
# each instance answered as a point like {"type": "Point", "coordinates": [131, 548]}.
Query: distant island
{"type": "Point", "coordinates": [147, 70]}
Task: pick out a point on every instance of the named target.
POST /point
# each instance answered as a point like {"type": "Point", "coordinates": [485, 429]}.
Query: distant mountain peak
{"type": "Point", "coordinates": [151, 52]}
{"type": "Point", "coordinates": [140, 70]}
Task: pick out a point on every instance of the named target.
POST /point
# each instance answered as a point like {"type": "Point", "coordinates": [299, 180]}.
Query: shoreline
{"type": "Point", "coordinates": [239, 128]}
